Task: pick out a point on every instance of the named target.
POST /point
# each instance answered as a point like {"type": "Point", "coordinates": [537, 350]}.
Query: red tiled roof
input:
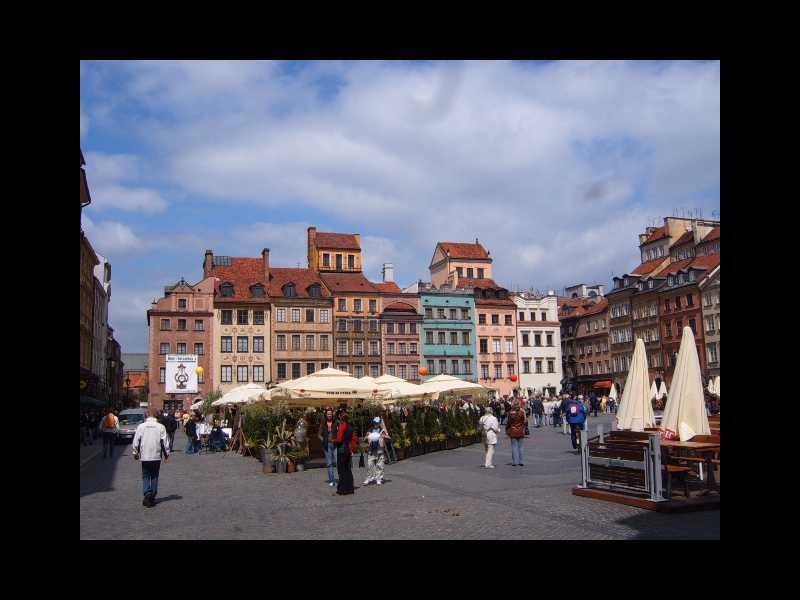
{"type": "Point", "coordinates": [706, 262]}
{"type": "Point", "coordinates": [541, 323]}
{"type": "Point", "coordinates": [699, 262]}
{"type": "Point", "coordinates": [597, 308]}
{"type": "Point", "coordinates": [712, 235]}
{"type": "Point", "coordinates": [301, 278]}
{"type": "Point", "coordinates": [658, 234]}
{"type": "Point", "coordinates": [648, 266]}
{"type": "Point", "coordinates": [686, 238]}
{"type": "Point", "coordinates": [388, 287]}
{"type": "Point", "coordinates": [484, 283]}
{"type": "Point", "coordinates": [348, 282]}
{"type": "Point", "coordinates": [585, 308]}
{"type": "Point", "coordinates": [400, 306]}
{"type": "Point", "coordinates": [495, 302]}
{"type": "Point", "coordinates": [243, 273]}
{"type": "Point", "coordinates": [460, 250]}
{"type": "Point", "coordinates": [137, 379]}
{"type": "Point", "coordinates": [338, 241]}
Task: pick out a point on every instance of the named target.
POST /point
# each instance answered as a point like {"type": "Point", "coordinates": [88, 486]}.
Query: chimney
{"type": "Point", "coordinates": [358, 239]}
{"type": "Point", "coordinates": [551, 293]}
{"type": "Point", "coordinates": [208, 263]}
{"type": "Point", "coordinates": [265, 258]}
{"type": "Point", "coordinates": [695, 232]}
{"type": "Point", "coordinates": [476, 241]}
{"type": "Point", "coordinates": [388, 272]}
{"type": "Point", "coordinates": [312, 248]}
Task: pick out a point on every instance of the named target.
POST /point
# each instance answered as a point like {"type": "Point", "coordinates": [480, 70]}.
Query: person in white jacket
{"type": "Point", "coordinates": [490, 428]}
{"type": "Point", "coordinates": [150, 444]}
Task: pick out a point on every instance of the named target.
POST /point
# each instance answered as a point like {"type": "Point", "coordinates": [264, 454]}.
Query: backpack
{"type": "Point", "coordinates": [108, 422]}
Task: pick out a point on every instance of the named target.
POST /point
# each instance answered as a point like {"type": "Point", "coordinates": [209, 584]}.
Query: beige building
{"type": "Point", "coordinates": [241, 331]}
{"type": "Point", "coordinates": [334, 252]}
{"type": "Point", "coordinates": [467, 261]}
{"type": "Point", "coordinates": [709, 289]}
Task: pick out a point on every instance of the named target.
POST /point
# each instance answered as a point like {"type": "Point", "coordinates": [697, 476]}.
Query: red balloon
{"type": "Point", "coordinates": [423, 371]}
{"type": "Point", "coordinates": [513, 378]}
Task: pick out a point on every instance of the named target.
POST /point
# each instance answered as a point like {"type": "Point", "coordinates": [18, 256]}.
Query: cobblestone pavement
{"type": "Point", "coordinates": [443, 495]}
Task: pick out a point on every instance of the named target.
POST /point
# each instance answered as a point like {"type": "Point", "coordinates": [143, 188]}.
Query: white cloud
{"type": "Point", "coordinates": [112, 239]}
{"type": "Point", "coordinates": [110, 177]}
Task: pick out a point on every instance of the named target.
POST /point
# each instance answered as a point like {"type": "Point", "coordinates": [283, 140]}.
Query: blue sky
{"type": "Point", "coordinates": [554, 166]}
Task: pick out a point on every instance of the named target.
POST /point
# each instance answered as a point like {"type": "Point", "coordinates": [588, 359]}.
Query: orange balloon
{"type": "Point", "coordinates": [513, 378]}
{"type": "Point", "coordinates": [423, 371]}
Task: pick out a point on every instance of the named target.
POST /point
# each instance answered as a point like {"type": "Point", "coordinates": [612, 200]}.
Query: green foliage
{"type": "Point", "coordinates": [210, 397]}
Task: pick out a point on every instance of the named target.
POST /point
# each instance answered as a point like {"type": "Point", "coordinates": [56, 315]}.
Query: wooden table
{"type": "Point", "coordinates": [699, 447]}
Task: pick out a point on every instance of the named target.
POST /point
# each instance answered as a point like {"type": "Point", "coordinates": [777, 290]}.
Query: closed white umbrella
{"type": "Point", "coordinates": [241, 395]}
{"type": "Point", "coordinates": [613, 392]}
{"type": "Point", "coordinates": [685, 413]}
{"type": "Point", "coordinates": [653, 391]}
{"type": "Point", "coordinates": [662, 390]}
{"type": "Point", "coordinates": [710, 388]}
{"type": "Point", "coordinates": [716, 385]}
{"type": "Point", "coordinates": [546, 393]}
{"type": "Point", "coordinates": [635, 409]}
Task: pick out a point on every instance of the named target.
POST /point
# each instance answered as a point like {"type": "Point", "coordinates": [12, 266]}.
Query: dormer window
{"type": "Point", "coordinates": [671, 280]}
{"type": "Point", "coordinates": [289, 291]}
{"type": "Point", "coordinates": [691, 275]}
{"type": "Point", "coordinates": [226, 289]}
{"type": "Point", "coordinates": [257, 291]}
{"type": "Point", "coordinates": [315, 291]}
{"type": "Point", "coordinates": [641, 285]}
{"type": "Point", "coordinates": [627, 282]}
{"type": "Point", "coordinates": [650, 284]}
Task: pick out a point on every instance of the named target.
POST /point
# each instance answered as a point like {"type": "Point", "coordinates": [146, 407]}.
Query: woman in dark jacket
{"type": "Point", "coordinates": [346, 444]}
{"type": "Point", "coordinates": [327, 435]}
{"type": "Point", "coordinates": [515, 429]}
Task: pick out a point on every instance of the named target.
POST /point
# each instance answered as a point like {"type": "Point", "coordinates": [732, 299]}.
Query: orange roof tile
{"type": "Point", "coordinates": [658, 234]}
{"type": "Point", "coordinates": [400, 306]}
{"type": "Point", "coordinates": [338, 241]}
{"type": "Point", "coordinates": [484, 283]}
{"type": "Point", "coordinates": [301, 278]}
{"type": "Point", "coordinates": [243, 272]}
{"type": "Point", "coordinates": [389, 287]}
{"type": "Point", "coordinates": [648, 266]}
{"type": "Point", "coordinates": [461, 250]}
{"type": "Point", "coordinates": [712, 235]}
{"type": "Point", "coordinates": [686, 238]}
{"type": "Point", "coordinates": [348, 282]}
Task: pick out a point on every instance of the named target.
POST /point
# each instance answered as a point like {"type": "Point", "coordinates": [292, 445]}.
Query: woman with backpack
{"type": "Point", "coordinates": [110, 428]}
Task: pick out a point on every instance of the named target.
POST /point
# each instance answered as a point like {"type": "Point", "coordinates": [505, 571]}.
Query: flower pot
{"type": "Point", "coordinates": [290, 468]}
{"type": "Point", "coordinates": [280, 467]}
{"type": "Point", "coordinates": [263, 456]}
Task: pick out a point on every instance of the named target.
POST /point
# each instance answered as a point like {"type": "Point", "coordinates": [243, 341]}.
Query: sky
{"type": "Point", "coordinates": [556, 167]}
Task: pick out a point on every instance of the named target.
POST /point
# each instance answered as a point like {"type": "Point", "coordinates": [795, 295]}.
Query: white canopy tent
{"type": "Point", "coordinates": [685, 413]}
{"type": "Point", "coordinates": [635, 409]}
{"type": "Point", "coordinates": [328, 386]}
{"type": "Point", "coordinates": [447, 383]}
{"type": "Point", "coordinates": [241, 395]}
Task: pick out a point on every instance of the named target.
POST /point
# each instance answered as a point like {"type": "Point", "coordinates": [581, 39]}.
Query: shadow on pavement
{"type": "Point", "coordinates": [168, 498]}
{"type": "Point", "coordinates": [98, 474]}
{"type": "Point", "coordinates": [699, 525]}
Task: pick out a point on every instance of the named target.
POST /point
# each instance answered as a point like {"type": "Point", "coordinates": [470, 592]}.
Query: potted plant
{"type": "Point", "coordinates": [282, 440]}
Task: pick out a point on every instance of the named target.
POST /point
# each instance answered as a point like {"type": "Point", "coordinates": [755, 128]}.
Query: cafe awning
{"type": "Point", "coordinates": [603, 384]}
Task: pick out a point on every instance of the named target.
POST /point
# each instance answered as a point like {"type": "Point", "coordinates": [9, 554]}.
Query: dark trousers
{"type": "Point", "coordinates": [573, 427]}
{"type": "Point", "coordinates": [390, 455]}
{"type": "Point", "coordinates": [594, 410]}
{"type": "Point", "coordinates": [150, 469]}
{"type": "Point", "coordinates": [171, 438]}
{"type": "Point", "coordinates": [345, 467]}
{"type": "Point", "coordinates": [109, 437]}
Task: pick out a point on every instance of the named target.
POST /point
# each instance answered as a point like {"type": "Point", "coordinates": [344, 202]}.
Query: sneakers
{"type": "Point", "coordinates": [490, 467]}
{"type": "Point", "coordinates": [367, 482]}
{"type": "Point", "coordinates": [331, 483]}
{"type": "Point", "coordinates": [379, 482]}
{"type": "Point", "coordinates": [149, 500]}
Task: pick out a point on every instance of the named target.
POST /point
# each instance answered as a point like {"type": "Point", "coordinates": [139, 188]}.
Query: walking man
{"type": "Point", "coordinates": [490, 428]}
{"type": "Point", "coordinates": [594, 403]}
{"type": "Point", "coordinates": [576, 415]}
{"type": "Point", "coordinates": [150, 446]}
{"type": "Point", "coordinates": [110, 429]}
{"type": "Point", "coordinates": [346, 445]}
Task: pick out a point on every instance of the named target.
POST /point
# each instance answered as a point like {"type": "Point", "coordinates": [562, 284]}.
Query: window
{"type": "Point", "coordinates": [526, 339]}
{"type": "Point", "coordinates": [442, 340]}
{"type": "Point", "coordinates": [295, 343]}
{"type": "Point", "coordinates": [295, 315]}
{"type": "Point", "coordinates": [533, 316]}
{"type": "Point", "coordinates": [351, 261]}
{"type": "Point", "coordinates": [390, 327]}
{"type": "Point", "coordinates": [431, 369]}
{"type": "Point", "coordinates": [342, 304]}
{"type": "Point", "coordinates": [454, 338]}
{"type": "Point", "coordinates": [440, 313]}
{"type": "Point", "coordinates": [310, 343]}
{"type": "Point", "coordinates": [326, 259]}
{"type": "Point", "coordinates": [551, 365]}
{"type": "Point", "coordinates": [309, 368]}
{"type": "Point", "coordinates": [258, 343]}
{"type": "Point", "coordinates": [465, 338]}
{"type": "Point", "coordinates": [677, 303]}
{"type": "Point", "coordinates": [428, 313]}
{"type": "Point", "coordinates": [550, 338]}
{"type": "Point", "coordinates": [509, 320]}
{"type": "Point", "coordinates": [496, 346]}
{"type": "Point", "coordinates": [323, 343]}
{"type": "Point", "coordinates": [666, 305]}
{"type": "Point", "coordinates": [689, 300]}
{"type": "Point", "coordinates": [467, 367]}
{"type": "Point", "coordinates": [181, 348]}
{"type": "Point", "coordinates": [341, 347]}
{"type": "Point", "coordinates": [374, 371]}
{"type": "Point", "coordinates": [258, 373]}
{"type": "Point", "coordinates": [510, 369]}
{"type": "Point", "coordinates": [608, 365]}
{"type": "Point", "coordinates": [163, 348]}
{"type": "Point", "coordinates": [201, 377]}
{"type": "Point", "coordinates": [241, 317]}
{"type": "Point", "coordinates": [199, 325]}
{"type": "Point", "coordinates": [460, 272]}
{"type": "Point", "coordinates": [357, 305]}
{"type": "Point", "coordinates": [164, 324]}
{"type": "Point", "coordinates": [484, 346]}
{"type": "Point", "coordinates": [358, 371]}
{"type": "Point", "coordinates": [667, 330]}
{"type": "Point", "coordinates": [373, 326]}
{"type": "Point", "coordinates": [344, 368]}
{"type": "Point", "coordinates": [338, 262]}
{"type": "Point", "coordinates": [481, 319]}
{"type": "Point", "coordinates": [295, 370]}
{"type": "Point", "coordinates": [280, 342]}
{"type": "Point", "coordinates": [162, 375]}
{"type": "Point", "coordinates": [280, 315]}
{"type": "Point", "coordinates": [429, 337]}
{"type": "Point", "coordinates": [509, 346]}
{"type": "Point", "coordinates": [443, 366]}
{"type": "Point", "coordinates": [373, 348]}
{"type": "Point", "coordinates": [693, 325]}
{"type": "Point", "coordinates": [324, 316]}
{"type": "Point", "coordinates": [323, 365]}
{"type": "Point", "coordinates": [309, 315]}
{"type": "Point", "coordinates": [412, 328]}
{"type": "Point", "coordinates": [390, 369]}
{"type": "Point", "coordinates": [454, 367]}
{"type": "Point", "coordinates": [241, 374]}
{"type": "Point", "coordinates": [544, 316]}
{"type": "Point", "coordinates": [182, 303]}
{"type": "Point", "coordinates": [198, 349]}
{"type": "Point", "coordinates": [341, 325]}
{"type": "Point", "coordinates": [526, 365]}
{"type": "Point", "coordinates": [373, 306]}
{"type": "Point", "coordinates": [538, 366]}
{"type": "Point", "coordinates": [537, 339]}
{"type": "Point", "coordinates": [480, 273]}
{"type": "Point", "coordinates": [227, 343]}
{"type": "Point", "coordinates": [181, 324]}
{"type": "Point", "coordinates": [226, 374]}
{"type": "Point", "coordinates": [358, 348]}
{"type": "Point", "coordinates": [712, 352]}
{"type": "Point", "coordinates": [315, 291]}
{"type": "Point", "coordinates": [522, 316]}
{"type": "Point", "coordinates": [469, 273]}
{"type": "Point", "coordinates": [241, 344]}
{"type": "Point", "coordinates": [226, 289]}
{"type": "Point", "coordinates": [498, 371]}
{"type": "Point", "coordinates": [679, 328]}
{"type": "Point", "coordinates": [281, 370]}
{"type": "Point", "coordinates": [413, 348]}
{"type": "Point", "coordinates": [289, 291]}
{"type": "Point", "coordinates": [257, 291]}
{"type": "Point", "coordinates": [484, 371]}
{"type": "Point", "coordinates": [495, 319]}
{"type": "Point", "coordinates": [357, 325]}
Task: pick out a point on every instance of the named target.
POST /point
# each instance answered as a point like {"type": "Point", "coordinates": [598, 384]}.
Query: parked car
{"type": "Point", "coordinates": [129, 420]}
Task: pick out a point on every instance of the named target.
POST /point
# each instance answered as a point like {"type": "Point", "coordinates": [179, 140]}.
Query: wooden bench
{"type": "Point", "coordinates": [683, 472]}
{"type": "Point", "coordinates": [614, 475]}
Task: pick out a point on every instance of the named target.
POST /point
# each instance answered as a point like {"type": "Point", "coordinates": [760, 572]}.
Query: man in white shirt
{"type": "Point", "coordinates": [490, 427]}
{"type": "Point", "coordinates": [150, 444]}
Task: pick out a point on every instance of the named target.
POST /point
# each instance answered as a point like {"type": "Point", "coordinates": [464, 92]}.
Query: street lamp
{"type": "Point", "coordinates": [127, 389]}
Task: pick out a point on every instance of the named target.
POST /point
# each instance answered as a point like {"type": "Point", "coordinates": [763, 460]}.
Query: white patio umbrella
{"type": "Point", "coordinates": [388, 379]}
{"type": "Point", "coordinates": [241, 395]}
{"type": "Point", "coordinates": [367, 379]}
{"type": "Point", "coordinates": [329, 385]}
{"type": "Point", "coordinates": [447, 383]}
{"type": "Point", "coordinates": [662, 390]}
{"type": "Point", "coordinates": [635, 409]}
{"type": "Point", "coordinates": [401, 389]}
{"type": "Point", "coordinates": [685, 413]}
{"type": "Point", "coordinates": [654, 391]}
{"type": "Point", "coordinates": [716, 385]}
{"type": "Point", "coordinates": [613, 392]}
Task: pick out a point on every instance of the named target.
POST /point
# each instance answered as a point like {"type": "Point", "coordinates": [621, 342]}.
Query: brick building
{"type": "Point", "coordinates": [593, 360]}
{"type": "Point", "coordinates": [181, 322]}
{"type": "Point", "coordinates": [571, 307]}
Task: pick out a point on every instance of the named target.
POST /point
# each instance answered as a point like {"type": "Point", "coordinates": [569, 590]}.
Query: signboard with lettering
{"type": "Point", "coordinates": [181, 374]}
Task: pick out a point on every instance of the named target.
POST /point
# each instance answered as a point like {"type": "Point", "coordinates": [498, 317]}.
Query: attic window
{"type": "Point", "coordinates": [257, 291]}
{"type": "Point", "coordinates": [226, 289]}
{"type": "Point", "coordinates": [222, 261]}
{"type": "Point", "coordinates": [315, 291]}
{"type": "Point", "coordinates": [289, 290]}
{"type": "Point", "coordinates": [650, 284]}
{"type": "Point", "coordinates": [670, 280]}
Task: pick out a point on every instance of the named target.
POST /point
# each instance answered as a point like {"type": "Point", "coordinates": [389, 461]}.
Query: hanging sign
{"type": "Point", "coordinates": [181, 374]}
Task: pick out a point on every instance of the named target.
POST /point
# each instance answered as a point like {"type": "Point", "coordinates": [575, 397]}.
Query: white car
{"type": "Point", "coordinates": [129, 420]}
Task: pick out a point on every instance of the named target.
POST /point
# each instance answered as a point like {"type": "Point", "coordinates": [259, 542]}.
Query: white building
{"type": "Point", "coordinates": [538, 342]}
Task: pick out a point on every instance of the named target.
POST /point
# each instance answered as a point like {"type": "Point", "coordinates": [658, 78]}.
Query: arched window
{"type": "Point", "coordinates": [226, 289]}
{"type": "Point", "coordinates": [289, 290]}
{"type": "Point", "coordinates": [574, 294]}
{"type": "Point", "coordinates": [315, 291]}
{"type": "Point", "coordinates": [257, 291]}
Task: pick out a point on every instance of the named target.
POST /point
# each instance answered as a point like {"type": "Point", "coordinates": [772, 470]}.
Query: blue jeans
{"type": "Point", "coordinates": [191, 447]}
{"type": "Point", "coordinates": [330, 461]}
{"type": "Point", "coordinates": [150, 469]}
{"type": "Point", "coordinates": [516, 451]}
